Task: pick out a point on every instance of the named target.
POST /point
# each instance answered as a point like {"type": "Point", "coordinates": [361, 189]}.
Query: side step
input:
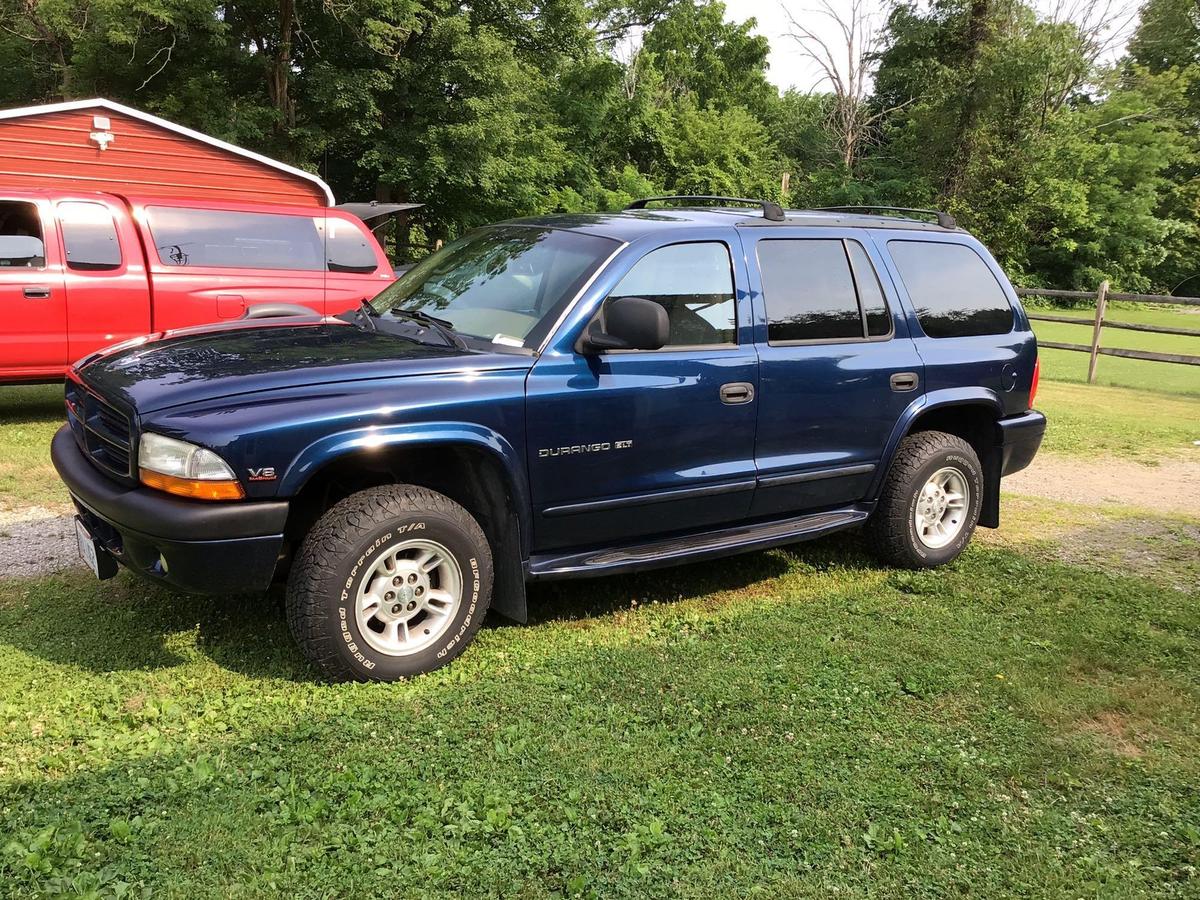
{"type": "Point", "coordinates": [671, 551]}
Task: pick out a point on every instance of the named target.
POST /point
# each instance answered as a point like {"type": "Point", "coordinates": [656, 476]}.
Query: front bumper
{"type": "Point", "coordinates": [192, 545]}
{"type": "Point", "coordinates": [1020, 438]}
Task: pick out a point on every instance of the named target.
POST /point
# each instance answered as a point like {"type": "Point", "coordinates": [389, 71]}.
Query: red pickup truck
{"type": "Point", "coordinates": [81, 270]}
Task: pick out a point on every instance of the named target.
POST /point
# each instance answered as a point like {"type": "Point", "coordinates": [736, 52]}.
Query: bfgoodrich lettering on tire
{"type": "Point", "coordinates": [392, 581]}
{"type": "Point", "coordinates": [930, 502]}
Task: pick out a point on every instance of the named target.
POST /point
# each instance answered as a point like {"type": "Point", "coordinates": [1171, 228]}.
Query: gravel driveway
{"type": "Point", "coordinates": [36, 541]}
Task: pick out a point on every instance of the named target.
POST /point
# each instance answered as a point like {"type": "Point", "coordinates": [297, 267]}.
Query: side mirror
{"type": "Point", "coordinates": [627, 323]}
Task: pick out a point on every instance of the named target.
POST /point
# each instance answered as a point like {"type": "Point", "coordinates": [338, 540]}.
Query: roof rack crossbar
{"type": "Point", "coordinates": [771, 211]}
{"type": "Point", "coordinates": [943, 219]}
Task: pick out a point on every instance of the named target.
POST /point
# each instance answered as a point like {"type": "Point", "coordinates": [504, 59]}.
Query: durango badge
{"type": "Point", "coordinates": [584, 448]}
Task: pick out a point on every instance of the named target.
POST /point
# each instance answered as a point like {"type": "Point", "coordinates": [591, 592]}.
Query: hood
{"type": "Point", "coordinates": [175, 368]}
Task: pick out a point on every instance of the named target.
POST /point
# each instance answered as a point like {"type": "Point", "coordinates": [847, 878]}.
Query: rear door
{"type": "Point", "coordinates": [33, 340]}
{"type": "Point", "coordinates": [211, 263]}
{"type": "Point", "coordinates": [838, 367]}
{"type": "Point", "coordinates": [628, 444]}
{"type": "Point", "coordinates": [108, 297]}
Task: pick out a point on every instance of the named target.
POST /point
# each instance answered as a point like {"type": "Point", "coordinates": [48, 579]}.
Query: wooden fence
{"type": "Point", "coordinates": [1099, 323]}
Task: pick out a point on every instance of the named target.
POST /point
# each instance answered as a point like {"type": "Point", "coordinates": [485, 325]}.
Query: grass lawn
{"type": "Point", "coordinates": [1091, 420]}
{"type": "Point", "coordinates": [29, 416]}
{"type": "Point", "coordinates": [1065, 365]}
{"type": "Point", "coordinates": [796, 722]}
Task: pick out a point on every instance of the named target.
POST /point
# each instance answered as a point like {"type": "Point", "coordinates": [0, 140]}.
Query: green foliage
{"type": "Point", "coordinates": [1068, 171]}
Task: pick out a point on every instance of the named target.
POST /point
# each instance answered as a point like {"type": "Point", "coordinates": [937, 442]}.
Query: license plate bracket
{"type": "Point", "coordinates": [92, 552]}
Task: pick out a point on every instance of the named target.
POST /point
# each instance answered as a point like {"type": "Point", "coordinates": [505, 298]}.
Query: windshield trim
{"type": "Point", "coordinates": [570, 307]}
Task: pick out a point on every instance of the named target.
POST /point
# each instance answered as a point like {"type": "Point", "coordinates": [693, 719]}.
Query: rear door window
{"type": "Point", "coordinates": [89, 236]}
{"type": "Point", "coordinates": [952, 289]}
{"type": "Point", "coordinates": [229, 239]}
{"type": "Point", "coordinates": [821, 289]}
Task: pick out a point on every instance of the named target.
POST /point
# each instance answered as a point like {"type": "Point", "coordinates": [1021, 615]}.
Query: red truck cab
{"type": "Point", "coordinates": [80, 270]}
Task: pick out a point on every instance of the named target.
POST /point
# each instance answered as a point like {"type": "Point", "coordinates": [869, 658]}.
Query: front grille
{"type": "Point", "coordinates": [101, 430]}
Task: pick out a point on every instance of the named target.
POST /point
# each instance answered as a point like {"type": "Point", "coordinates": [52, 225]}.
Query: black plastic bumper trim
{"type": "Point", "coordinates": [152, 512]}
{"type": "Point", "coordinates": [1020, 438]}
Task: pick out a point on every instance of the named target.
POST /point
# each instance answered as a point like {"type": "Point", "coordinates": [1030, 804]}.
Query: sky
{"type": "Point", "coordinates": [789, 68]}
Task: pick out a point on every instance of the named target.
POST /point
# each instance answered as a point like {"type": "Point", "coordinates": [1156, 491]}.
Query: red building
{"type": "Point", "coordinates": [98, 145]}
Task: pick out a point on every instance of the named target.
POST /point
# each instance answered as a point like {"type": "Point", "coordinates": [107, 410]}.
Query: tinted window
{"type": "Point", "coordinates": [870, 294]}
{"type": "Point", "coordinates": [213, 237]}
{"type": "Point", "coordinates": [809, 291]}
{"type": "Point", "coordinates": [21, 244]}
{"type": "Point", "coordinates": [694, 283]}
{"type": "Point", "coordinates": [90, 237]}
{"type": "Point", "coordinates": [954, 292]}
{"type": "Point", "coordinates": [347, 248]}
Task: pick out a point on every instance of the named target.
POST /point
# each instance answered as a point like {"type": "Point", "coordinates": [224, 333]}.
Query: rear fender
{"type": "Point", "coordinates": [990, 458]}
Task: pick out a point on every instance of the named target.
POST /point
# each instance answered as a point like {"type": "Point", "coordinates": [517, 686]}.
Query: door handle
{"type": "Point", "coordinates": [37, 292]}
{"type": "Point", "coordinates": [737, 392]}
{"type": "Point", "coordinates": [904, 381]}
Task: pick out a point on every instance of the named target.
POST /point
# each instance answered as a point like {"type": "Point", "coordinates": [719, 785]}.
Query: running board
{"type": "Point", "coordinates": [671, 551]}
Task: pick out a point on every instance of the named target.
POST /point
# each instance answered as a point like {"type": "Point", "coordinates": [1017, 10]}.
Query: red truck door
{"type": "Point", "coordinates": [33, 339]}
{"type": "Point", "coordinates": [108, 298]}
{"type": "Point", "coordinates": [209, 262]}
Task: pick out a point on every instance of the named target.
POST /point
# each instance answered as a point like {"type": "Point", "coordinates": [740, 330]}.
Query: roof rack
{"type": "Point", "coordinates": [771, 211]}
{"type": "Point", "coordinates": [944, 219]}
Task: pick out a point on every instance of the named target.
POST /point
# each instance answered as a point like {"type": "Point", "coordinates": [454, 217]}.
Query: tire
{"type": "Point", "coordinates": [895, 532]}
{"type": "Point", "coordinates": [366, 603]}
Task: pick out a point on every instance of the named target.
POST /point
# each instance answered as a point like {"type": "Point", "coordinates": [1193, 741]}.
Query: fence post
{"type": "Point", "coordinates": [1101, 304]}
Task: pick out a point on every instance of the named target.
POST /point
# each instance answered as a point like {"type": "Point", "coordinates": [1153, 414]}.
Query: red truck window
{"type": "Point", "coordinates": [224, 238]}
{"type": "Point", "coordinates": [89, 236]}
{"type": "Point", "coordinates": [21, 245]}
{"type": "Point", "coordinates": [347, 248]}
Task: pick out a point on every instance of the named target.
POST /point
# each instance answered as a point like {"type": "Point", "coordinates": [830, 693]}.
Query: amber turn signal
{"type": "Point", "coordinates": [193, 489]}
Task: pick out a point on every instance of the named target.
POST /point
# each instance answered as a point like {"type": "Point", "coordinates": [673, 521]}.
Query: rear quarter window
{"type": "Point", "coordinates": [347, 249]}
{"type": "Point", "coordinates": [952, 289]}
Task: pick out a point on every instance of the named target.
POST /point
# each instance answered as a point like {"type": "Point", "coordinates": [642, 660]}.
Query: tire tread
{"type": "Point", "coordinates": [344, 525]}
{"type": "Point", "coordinates": [888, 527]}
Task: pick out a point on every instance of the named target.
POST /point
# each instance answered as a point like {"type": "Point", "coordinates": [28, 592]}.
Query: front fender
{"type": "Point", "coordinates": [321, 452]}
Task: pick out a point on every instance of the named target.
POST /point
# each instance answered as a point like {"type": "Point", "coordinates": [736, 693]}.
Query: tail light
{"type": "Point", "coordinates": [1033, 385]}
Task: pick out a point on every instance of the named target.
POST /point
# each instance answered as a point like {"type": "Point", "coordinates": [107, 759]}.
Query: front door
{"type": "Point", "coordinates": [33, 341]}
{"type": "Point", "coordinates": [838, 367]}
{"type": "Point", "coordinates": [628, 444]}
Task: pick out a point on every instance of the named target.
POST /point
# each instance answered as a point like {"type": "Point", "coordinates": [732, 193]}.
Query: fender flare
{"type": "Point", "coordinates": [939, 399]}
{"type": "Point", "coordinates": [508, 596]}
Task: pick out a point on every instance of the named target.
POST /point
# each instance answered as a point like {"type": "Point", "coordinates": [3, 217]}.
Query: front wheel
{"type": "Point", "coordinates": [930, 501]}
{"type": "Point", "coordinates": [391, 582]}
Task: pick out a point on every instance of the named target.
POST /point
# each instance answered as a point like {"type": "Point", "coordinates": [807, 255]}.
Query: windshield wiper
{"type": "Point", "coordinates": [366, 312]}
{"type": "Point", "coordinates": [442, 327]}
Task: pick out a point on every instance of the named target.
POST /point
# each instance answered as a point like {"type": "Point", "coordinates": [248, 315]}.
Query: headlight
{"type": "Point", "coordinates": [178, 467]}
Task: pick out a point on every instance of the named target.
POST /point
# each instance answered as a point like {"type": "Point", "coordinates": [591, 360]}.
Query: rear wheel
{"type": "Point", "coordinates": [391, 582]}
{"type": "Point", "coordinates": [930, 501]}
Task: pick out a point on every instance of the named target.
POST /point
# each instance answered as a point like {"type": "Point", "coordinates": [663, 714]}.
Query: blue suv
{"type": "Point", "coordinates": [557, 397]}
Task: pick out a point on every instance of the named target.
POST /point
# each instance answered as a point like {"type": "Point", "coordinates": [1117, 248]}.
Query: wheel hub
{"type": "Point", "coordinates": [408, 597]}
{"type": "Point", "coordinates": [941, 508]}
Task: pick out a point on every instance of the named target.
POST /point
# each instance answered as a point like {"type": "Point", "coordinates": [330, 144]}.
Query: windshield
{"type": "Point", "coordinates": [506, 284]}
